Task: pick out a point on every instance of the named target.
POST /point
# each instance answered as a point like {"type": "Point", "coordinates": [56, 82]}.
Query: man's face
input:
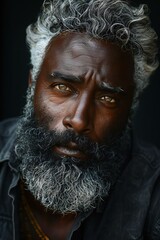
{"type": "Point", "coordinates": [84, 85]}
{"type": "Point", "coordinates": [73, 142]}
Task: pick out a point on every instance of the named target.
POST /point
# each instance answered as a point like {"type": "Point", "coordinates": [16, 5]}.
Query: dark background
{"type": "Point", "coordinates": [16, 15]}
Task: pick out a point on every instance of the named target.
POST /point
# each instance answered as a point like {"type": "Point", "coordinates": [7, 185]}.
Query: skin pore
{"type": "Point", "coordinates": [84, 85]}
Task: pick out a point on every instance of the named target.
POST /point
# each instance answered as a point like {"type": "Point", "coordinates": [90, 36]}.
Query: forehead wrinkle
{"type": "Point", "coordinates": [102, 85]}
{"type": "Point", "coordinates": [78, 53]}
{"type": "Point", "coordinates": [84, 48]}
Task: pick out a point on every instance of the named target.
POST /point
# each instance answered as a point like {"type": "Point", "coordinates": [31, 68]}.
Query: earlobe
{"type": "Point", "coordinates": [29, 79]}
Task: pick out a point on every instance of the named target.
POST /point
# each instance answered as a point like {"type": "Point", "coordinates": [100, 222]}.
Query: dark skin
{"type": "Point", "coordinates": [85, 85]}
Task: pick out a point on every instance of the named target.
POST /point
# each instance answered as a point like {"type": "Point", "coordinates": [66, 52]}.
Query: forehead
{"type": "Point", "coordinates": [78, 54]}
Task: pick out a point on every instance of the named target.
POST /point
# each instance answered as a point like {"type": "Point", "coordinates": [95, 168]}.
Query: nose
{"type": "Point", "coordinates": [80, 116]}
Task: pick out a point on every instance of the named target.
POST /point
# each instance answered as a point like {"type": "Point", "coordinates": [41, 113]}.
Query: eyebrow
{"type": "Point", "coordinates": [65, 77]}
{"type": "Point", "coordinates": [71, 78]}
{"type": "Point", "coordinates": [108, 88]}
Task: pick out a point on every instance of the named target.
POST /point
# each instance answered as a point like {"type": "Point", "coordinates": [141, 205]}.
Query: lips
{"type": "Point", "coordinates": [70, 150]}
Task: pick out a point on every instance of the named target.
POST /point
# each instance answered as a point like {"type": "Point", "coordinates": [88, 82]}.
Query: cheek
{"type": "Point", "coordinates": [110, 125]}
{"type": "Point", "coordinates": [49, 112]}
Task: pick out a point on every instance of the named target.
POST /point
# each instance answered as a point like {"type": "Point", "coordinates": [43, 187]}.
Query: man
{"type": "Point", "coordinates": [71, 167]}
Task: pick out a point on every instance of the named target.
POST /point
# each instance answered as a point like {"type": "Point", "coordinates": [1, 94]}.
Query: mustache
{"type": "Point", "coordinates": [42, 139]}
{"type": "Point", "coordinates": [50, 138]}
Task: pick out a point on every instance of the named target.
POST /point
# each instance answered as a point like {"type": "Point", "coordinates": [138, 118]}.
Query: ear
{"type": "Point", "coordinates": [29, 79]}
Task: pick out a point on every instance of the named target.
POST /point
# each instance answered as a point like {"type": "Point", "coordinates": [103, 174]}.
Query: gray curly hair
{"type": "Point", "coordinates": [113, 20]}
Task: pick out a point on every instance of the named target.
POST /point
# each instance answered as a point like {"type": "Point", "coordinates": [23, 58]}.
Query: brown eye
{"type": "Point", "coordinates": [62, 88]}
{"type": "Point", "coordinates": [108, 99]}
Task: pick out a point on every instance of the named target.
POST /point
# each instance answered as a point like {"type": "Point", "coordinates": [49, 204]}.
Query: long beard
{"type": "Point", "coordinates": [67, 184]}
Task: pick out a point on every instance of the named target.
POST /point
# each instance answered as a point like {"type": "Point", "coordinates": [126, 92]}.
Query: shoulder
{"type": "Point", "coordinates": [152, 224]}
{"type": "Point", "coordinates": [144, 166]}
{"type": "Point", "coordinates": [148, 153]}
{"type": "Point", "coordinates": [148, 157]}
{"type": "Point", "coordinates": [7, 126]}
{"type": "Point", "coordinates": [7, 135]}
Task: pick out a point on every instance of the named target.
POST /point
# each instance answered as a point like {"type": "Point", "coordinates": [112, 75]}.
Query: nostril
{"type": "Point", "coordinates": [77, 124]}
{"type": "Point", "coordinates": [67, 123]}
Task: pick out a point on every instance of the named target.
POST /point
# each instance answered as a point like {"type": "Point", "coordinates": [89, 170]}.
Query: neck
{"type": "Point", "coordinates": [54, 225]}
